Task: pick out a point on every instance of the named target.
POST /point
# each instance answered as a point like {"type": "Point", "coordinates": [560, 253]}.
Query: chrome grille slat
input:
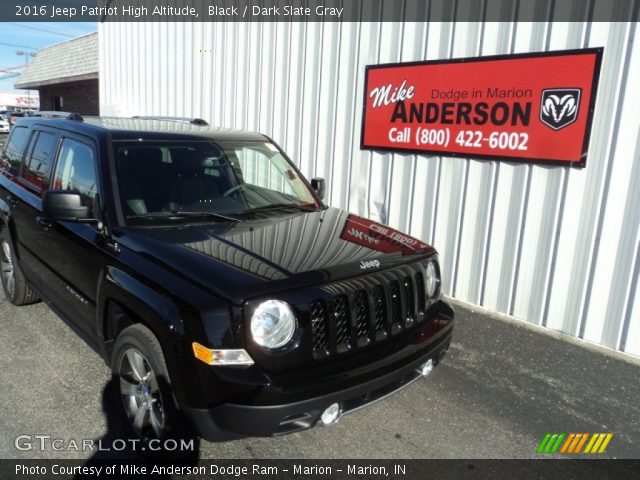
{"type": "Point", "coordinates": [420, 288]}
{"type": "Point", "coordinates": [362, 315]}
{"type": "Point", "coordinates": [379, 309]}
{"type": "Point", "coordinates": [396, 306]}
{"type": "Point", "coordinates": [340, 309]}
{"type": "Point", "coordinates": [319, 329]}
{"type": "Point", "coordinates": [409, 300]}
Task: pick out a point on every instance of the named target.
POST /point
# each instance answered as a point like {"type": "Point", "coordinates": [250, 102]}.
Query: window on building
{"type": "Point", "coordinates": [58, 103]}
{"type": "Point", "coordinates": [75, 170]}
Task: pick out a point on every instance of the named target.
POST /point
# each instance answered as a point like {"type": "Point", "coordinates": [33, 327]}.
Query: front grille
{"type": "Point", "coordinates": [340, 309]}
{"type": "Point", "coordinates": [396, 307]}
{"type": "Point", "coordinates": [409, 297]}
{"type": "Point", "coordinates": [319, 330]}
{"type": "Point", "coordinates": [362, 315]}
{"type": "Point", "coordinates": [367, 310]}
{"type": "Point", "coordinates": [379, 309]}
{"type": "Point", "coordinates": [422, 297]}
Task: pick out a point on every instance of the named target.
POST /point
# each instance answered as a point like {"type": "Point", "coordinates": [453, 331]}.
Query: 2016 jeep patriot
{"type": "Point", "coordinates": [225, 296]}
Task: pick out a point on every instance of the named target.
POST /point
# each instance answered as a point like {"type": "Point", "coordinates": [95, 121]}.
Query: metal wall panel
{"type": "Point", "coordinates": [554, 246]}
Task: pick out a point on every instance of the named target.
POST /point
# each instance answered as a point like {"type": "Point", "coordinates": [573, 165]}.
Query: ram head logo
{"type": "Point", "coordinates": [559, 107]}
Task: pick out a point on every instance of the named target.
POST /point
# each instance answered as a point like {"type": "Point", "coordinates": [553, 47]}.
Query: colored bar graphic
{"type": "Point", "coordinates": [598, 443]}
{"type": "Point", "coordinates": [553, 443]}
{"type": "Point", "coordinates": [556, 445]}
{"type": "Point", "coordinates": [584, 439]}
{"type": "Point", "coordinates": [550, 443]}
{"type": "Point", "coordinates": [603, 447]}
{"type": "Point", "coordinates": [570, 439]}
{"type": "Point", "coordinates": [543, 443]}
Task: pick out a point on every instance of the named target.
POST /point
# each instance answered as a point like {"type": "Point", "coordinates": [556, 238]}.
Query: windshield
{"type": "Point", "coordinates": [223, 181]}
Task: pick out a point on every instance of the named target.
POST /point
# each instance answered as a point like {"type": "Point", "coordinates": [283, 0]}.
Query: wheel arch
{"type": "Point", "coordinates": [123, 300]}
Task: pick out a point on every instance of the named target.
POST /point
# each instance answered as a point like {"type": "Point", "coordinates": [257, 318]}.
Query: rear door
{"type": "Point", "coordinates": [10, 167]}
{"type": "Point", "coordinates": [30, 180]}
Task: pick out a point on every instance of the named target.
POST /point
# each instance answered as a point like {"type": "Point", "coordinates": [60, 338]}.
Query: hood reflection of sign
{"type": "Point", "coordinates": [380, 237]}
{"type": "Point", "coordinates": [559, 107]}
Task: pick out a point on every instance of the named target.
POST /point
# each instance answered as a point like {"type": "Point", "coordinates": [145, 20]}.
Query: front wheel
{"type": "Point", "coordinates": [143, 388]}
{"type": "Point", "coordinates": [13, 282]}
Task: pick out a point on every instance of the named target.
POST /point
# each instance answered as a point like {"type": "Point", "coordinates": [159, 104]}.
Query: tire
{"type": "Point", "coordinates": [14, 284]}
{"type": "Point", "coordinates": [144, 394]}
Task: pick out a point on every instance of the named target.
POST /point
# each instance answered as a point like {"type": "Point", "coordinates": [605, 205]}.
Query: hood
{"type": "Point", "coordinates": [255, 257]}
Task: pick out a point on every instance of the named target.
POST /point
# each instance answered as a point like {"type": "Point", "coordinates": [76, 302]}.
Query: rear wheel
{"type": "Point", "coordinates": [13, 282]}
{"type": "Point", "coordinates": [143, 388]}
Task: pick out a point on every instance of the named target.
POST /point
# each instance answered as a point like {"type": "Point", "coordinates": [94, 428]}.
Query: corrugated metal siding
{"type": "Point", "coordinates": [553, 246]}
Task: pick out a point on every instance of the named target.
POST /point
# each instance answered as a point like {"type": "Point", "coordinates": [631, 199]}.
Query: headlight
{"type": "Point", "coordinates": [432, 280]}
{"type": "Point", "coordinates": [273, 324]}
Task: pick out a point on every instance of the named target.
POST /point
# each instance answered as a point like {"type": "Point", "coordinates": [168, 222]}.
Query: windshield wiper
{"type": "Point", "coordinates": [277, 206]}
{"type": "Point", "coordinates": [183, 214]}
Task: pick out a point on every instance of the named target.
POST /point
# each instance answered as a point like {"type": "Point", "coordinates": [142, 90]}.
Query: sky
{"type": "Point", "coordinates": [31, 37]}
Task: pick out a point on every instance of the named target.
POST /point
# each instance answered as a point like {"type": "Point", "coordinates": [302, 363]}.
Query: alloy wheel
{"type": "Point", "coordinates": [141, 397]}
{"type": "Point", "coordinates": [7, 269]}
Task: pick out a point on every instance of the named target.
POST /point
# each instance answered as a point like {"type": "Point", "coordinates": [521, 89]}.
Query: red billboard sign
{"type": "Point", "coordinates": [530, 107]}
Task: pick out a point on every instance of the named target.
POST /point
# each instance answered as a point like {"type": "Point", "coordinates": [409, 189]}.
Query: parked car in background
{"type": "Point", "coordinates": [13, 116]}
{"type": "Point", "coordinates": [5, 126]}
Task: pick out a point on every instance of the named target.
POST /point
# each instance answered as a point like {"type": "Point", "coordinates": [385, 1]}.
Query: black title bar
{"type": "Point", "coordinates": [318, 10]}
{"type": "Point", "coordinates": [119, 469]}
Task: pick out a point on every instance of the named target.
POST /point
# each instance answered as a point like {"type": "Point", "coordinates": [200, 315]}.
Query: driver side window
{"type": "Point", "coordinates": [75, 170]}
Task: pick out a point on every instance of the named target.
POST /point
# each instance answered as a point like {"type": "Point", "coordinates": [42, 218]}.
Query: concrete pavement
{"type": "Point", "coordinates": [500, 389]}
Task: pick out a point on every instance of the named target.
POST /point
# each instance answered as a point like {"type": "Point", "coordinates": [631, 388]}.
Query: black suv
{"type": "Point", "coordinates": [225, 296]}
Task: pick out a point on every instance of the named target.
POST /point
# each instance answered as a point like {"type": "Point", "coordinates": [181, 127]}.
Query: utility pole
{"type": "Point", "coordinates": [26, 60]}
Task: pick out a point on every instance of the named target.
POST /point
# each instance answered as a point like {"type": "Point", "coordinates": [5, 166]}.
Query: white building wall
{"type": "Point", "coordinates": [553, 246]}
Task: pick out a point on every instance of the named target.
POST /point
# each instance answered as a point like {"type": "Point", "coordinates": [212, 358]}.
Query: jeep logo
{"type": "Point", "coordinates": [370, 264]}
{"type": "Point", "coordinates": [559, 107]}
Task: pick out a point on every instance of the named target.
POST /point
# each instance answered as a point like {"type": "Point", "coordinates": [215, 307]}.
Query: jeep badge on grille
{"type": "Point", "coordinates": [370, 264]}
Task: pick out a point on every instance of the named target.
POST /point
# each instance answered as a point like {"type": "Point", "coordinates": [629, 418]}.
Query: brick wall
{"type": "Point", "coordinates": [79, 97]}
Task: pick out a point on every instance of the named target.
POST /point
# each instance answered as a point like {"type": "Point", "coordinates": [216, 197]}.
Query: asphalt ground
{"type": "Point", "coordinates": [500, 389]}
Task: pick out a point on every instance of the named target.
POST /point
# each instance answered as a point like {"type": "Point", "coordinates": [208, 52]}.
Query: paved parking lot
{"type": "Point", "coordinates": [500, 389]}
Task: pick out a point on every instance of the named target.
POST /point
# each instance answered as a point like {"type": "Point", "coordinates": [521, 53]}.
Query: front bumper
{"type": "Point", "coordinates": [229, 420]}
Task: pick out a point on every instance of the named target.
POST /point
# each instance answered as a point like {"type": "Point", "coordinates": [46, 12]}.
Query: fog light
{"type": "Point", "coordinates": [332, 414]}
{"type": "Point", "coordinates": [426, 368]}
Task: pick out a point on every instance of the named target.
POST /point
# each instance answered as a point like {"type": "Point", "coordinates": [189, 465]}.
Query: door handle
{"type": "Point", "coordinates": [43, 222]}
{"type": "Point", "coordinates": [112, 246]}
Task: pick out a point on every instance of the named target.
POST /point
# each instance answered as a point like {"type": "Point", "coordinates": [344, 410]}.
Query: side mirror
{"type": "Point", "coordinates": [66, 206]}
{"type": "Point", "coordinates": [318, 185]}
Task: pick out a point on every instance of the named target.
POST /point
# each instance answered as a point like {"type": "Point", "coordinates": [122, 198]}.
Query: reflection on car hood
{"type": "Point", "coordinates": [253, 257]}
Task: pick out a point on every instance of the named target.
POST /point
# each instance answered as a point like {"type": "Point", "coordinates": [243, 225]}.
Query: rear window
{"type": "Point", "coordinates": [39, 164]}
{"type": "Point", "coordinates": [12, 157]}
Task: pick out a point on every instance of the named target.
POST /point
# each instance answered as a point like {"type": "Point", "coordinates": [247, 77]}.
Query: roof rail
{"type": "Point", "coordinates": [66, 115]}
{"type": "Point", "coordinates": [193, 121]}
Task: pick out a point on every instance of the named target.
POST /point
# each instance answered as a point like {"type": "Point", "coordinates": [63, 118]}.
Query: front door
{"type": "Point", "coordinates": [74, 256]}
